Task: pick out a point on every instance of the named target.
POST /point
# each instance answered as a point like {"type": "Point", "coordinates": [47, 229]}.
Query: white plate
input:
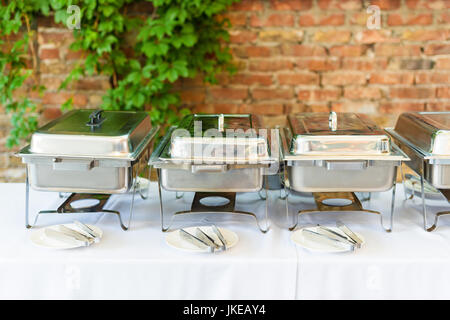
{"type": "Point", "coordinates": [39, 238]}
{"type": "Point", "coordinates": [302, 241]}
{"type": "Point", "coordinates": [173, 238]}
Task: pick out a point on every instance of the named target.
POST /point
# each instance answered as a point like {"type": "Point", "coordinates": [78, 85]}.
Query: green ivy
{"type": "Point", "coordinates": [143, 56]}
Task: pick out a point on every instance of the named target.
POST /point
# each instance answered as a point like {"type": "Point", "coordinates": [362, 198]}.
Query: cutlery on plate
{"type": "Point", "coordinates": [220, 236]}
{"type": "Point", "coordinates": [53, 234]}
{"type": "Point", "coordinates": [205, 238]}
{"type": "Point", "coordinates": [323, 239]}
{"type": "Point", "coordinates": [87, 230]}
{"type": "Point", "coordinates": [195, 241]}
{"type": "Point", "coordinates": [333, 234]}
{"type": "Point", "coordinates": [349, 233]}
{"type": "Point", "coordinates": [72, 233]}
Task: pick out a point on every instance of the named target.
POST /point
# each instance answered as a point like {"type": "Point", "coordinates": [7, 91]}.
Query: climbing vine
{"type": "Point", "coordinates": [142, 55]}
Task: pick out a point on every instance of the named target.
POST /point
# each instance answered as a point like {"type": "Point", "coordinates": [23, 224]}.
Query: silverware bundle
{"type": "Point", "coordinates": [85, 238]}
{"type": "Point", "coordinates": [347, 239]}
{"type": "Point", "coordinates": [203, 241]}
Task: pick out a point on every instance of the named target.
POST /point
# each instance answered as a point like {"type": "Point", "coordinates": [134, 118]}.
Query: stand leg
{"type": "Point", "coordinates": [27, 201]}
{"type": "Point", "coordinates": [424, 208]}
{"type": "Point", "coordinates": [161, 209]}
{"type": "Point", "coordinates": [391, 217]}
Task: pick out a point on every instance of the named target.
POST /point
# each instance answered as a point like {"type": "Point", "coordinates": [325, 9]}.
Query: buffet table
{"type": "Point", "coordinates": [138, 264]}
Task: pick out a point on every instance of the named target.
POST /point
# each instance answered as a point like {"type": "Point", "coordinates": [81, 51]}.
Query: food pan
{"type": "Point", "coordinates": [89, 151]}
{"type": "Point", "coordinates": [330, 152]}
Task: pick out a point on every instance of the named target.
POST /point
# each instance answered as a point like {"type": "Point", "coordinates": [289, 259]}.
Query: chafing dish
{"type": "Point", "coordinates": [336, 153]}
{"type": "Point", "coordinates": [213, 153]}
{"type": "Point", "coordinates": [89, 152]}
{"type": "Point", "coordinates": [425, 138]}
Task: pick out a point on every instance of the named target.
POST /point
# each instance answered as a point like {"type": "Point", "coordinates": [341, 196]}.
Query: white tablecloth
{"type": "Point", "coordinates": [408, 263]}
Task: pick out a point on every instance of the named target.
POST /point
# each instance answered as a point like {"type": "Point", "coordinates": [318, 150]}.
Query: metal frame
{"type": "Point", "coordinates": [355, 205]}
{"type": "Point", "coordinates": [197, 207]}
{"type": "Point", "coordinates": [65, 207]}
{"type": "Point", "coordinates": [445, 194]}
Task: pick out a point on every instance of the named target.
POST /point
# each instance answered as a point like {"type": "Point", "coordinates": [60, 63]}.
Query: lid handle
{"type": "Point", "coordinates": [332, 121]}
{"type": "Point", "coordinates": [221, 121]}
{"type": "Point", "coordinates": [95, 119]}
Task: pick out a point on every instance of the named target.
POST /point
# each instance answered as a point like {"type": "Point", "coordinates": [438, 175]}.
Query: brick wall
{"type": "Point", "coordinates": [293, 56]}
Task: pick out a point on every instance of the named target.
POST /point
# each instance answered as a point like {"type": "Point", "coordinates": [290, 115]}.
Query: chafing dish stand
{"type": "Point", "coordinates": [181, 172]}
{"type": "Point", "coordinates": [333, 156]}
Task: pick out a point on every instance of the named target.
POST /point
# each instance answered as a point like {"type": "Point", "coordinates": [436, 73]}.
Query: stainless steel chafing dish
{"type": "Point", "coordinates": [226, 155]}
{"type": "Point", "coordinates": [425, 138]}
{"type": "Point", "coordinates": [337, 153]}
{"type": "Point", "coordinates": [89, 151]}
{"type": "Point", "coordinates": [209, 154]}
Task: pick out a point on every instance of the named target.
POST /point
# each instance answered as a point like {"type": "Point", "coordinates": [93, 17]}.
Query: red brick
{"type": "Point", "coordinates": [281, 35]}
{"type": "Point", "coordinates": [443, 92]}
{"type": "Point", "coordinates": [270, 65]}
{"type": "Point", "coordinates": [272, 94]}
{"type": "Point", "coordinates": [248, 5]}
{"type": "Point", "coordinates": [75, 55]}
{"type": "Point", "coordinates": [386, 4]}
{"type": "Point", "coordinates": [263, 108]}
{"type": "Point", "coordinates": [217, 108]}
{"type": "Point", "coordinates": [412, 93]}
{"type": "Point", "coordinates": [318, 107]}
{"type": "Point", "coordinates": [193, 96]}
{"type": "Point", "coordinates": [364, 65]}
{"type": "Point", "coordinates": [61, 97]}
{"type": "Point", "coordinates": [55, 37]}
{"type": "Point", "coordinates": [91, 84]}
{"type": "Point", "coordinates": [237, 19]}
{"type": "Point", "coordinates": [273, 20]}
{"type": "Point", "coordinates": [291, 5]}
{"type": "Point", "coordinates": [334, 19]}
{"type": "Point", "coordinates": [438, 106]}
{"type": "Point", "coordinates": [51, 113]}
{"type": "Point", "coordinates": [432, 77]}
{"type": "Point", "coordinates": [298, 78]}
{"type": "Point", "coordinates": [425, 35]}
{"type": "Point", "coordinates": [242, 36]}
{"type": "Point", "coordinates": [258, 51]}
{"type": "Point", "coordinates": [422, 19]}
{"type": "Point", "coordinates": [52, 83]}
{"type": "Point", "coordinates": [302, 50]}
{"type": "Point", "coordinates": [319, 94]}
{"type": "Point", "coordinates": [428, 4]}
{"type": "Point", "coordinates": [398, 107]}
{"type": "Point", "coordinates": [373, 36]}
{"type": "Point", "coordinates": [436, 49]}
{"type": "Point", "coordinates": [444, 18]}
{"type": "Point", "coordinates": [348, 50]}
{"type": "Point", "coordinates": [387, 49]}
{"type": "Point", "coordinates": [295, 108]}
{"type": "Point", "coordinates": [46, 54]}
{"type": "Point", "coordinates": [250, 79]}
{"type": "Point", "coordinates": [357, 93]}
{"type": "Point", "coordinates": [340, 4]}
{"type": "Point", "coordinates": [360, 18]}
{"type": "Point", "coordinates": [343, 78]}
{"type": "Point", "coordinates": [229, 93]}
{"type": "Point", "coordinates": [322, 64]}
{"type": "Point", "coordinates": [332, 36]}
{"type": "Point", "coordinates": [443, 63]}
{"type": "Point", "coordinates": [392, 78]}
{"type": "Point", "coordinates": [360, 107]}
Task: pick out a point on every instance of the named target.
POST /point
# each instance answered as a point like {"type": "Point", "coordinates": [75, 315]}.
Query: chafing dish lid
{"type": "Point", "coordinates": [336, 134]}
{"type": "Point", "coordinates": [428, 132]}
{"type": "Point", "coordinates": [217, 137]}
{"type": "Point", "coordinates": [93, 133]}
